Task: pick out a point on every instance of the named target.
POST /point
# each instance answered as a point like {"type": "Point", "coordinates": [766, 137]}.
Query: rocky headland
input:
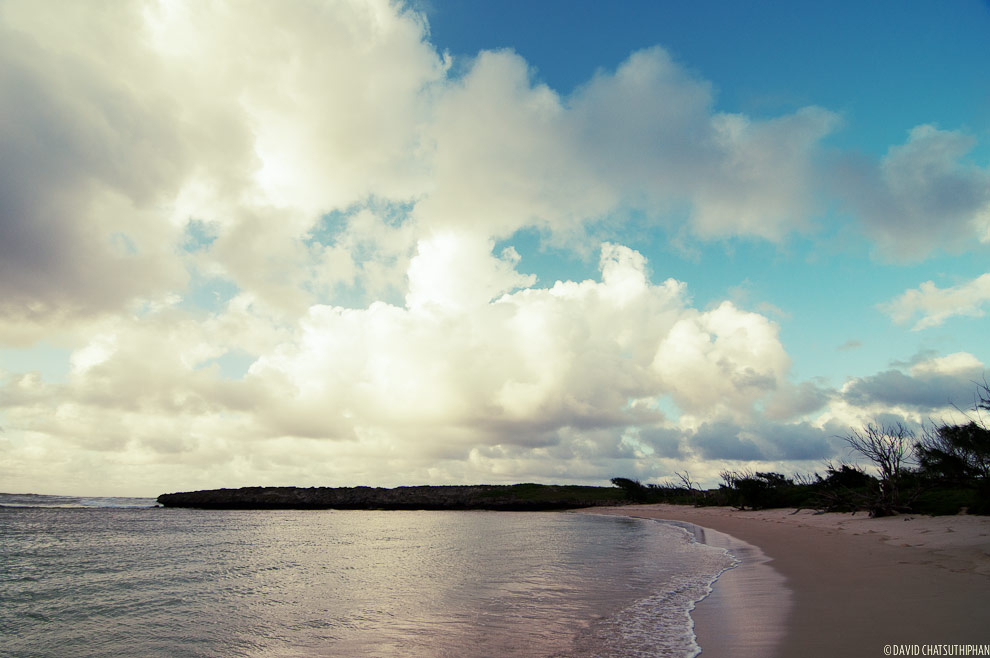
{"type": "Point", "coordinates": [519, 497]}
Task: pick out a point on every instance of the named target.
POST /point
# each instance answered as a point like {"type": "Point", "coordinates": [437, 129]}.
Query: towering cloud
{"type": "Point", "coordinates": [276, 239]}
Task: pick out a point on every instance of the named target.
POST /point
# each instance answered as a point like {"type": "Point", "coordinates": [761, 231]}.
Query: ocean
{"type": "Point", "coordinates": [116, 577]}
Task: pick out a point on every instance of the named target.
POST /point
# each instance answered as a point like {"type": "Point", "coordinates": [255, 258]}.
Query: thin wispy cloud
{"type": "Point", "coordinates": [930, 306]}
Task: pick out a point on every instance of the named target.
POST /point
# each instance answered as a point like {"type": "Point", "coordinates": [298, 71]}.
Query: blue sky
{"type": "Point", "coordinates": [360, 242]}
{"type": "Point", "coordinates": [885, 67]}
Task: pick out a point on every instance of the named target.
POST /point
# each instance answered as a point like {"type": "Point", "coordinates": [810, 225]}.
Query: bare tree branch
{"type": "Point", "coordinates": [685, 479]}
{"type": "Point", "coordinates": [890, 449]}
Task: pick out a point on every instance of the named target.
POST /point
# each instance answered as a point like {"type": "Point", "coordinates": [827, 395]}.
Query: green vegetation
{"type": "Point", "coordinates": [945, 472]}
{"type": "Point", "coordinates": [519, 497]}
{"type": "Point", "coordinates": [551, 494]}
{"type": "Point", "coordinates": [757, 490]}
{"type": "Point", "coordinates": [843, 489]}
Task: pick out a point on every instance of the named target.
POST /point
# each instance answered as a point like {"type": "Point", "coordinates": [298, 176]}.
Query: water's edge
{"type": "Point", "coordinates": [748, 602]}
{"type": "Point", "coordinates": [698, 535]}
{"type": "Point", "coordinates": [735, 606]}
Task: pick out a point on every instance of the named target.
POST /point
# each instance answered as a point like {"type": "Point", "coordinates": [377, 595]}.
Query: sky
{"type": "Point", "coordinates": [362, 242]}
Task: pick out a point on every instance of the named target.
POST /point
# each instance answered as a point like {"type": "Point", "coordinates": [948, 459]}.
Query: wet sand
{"type": "Point", "coordinates": [816, 585]}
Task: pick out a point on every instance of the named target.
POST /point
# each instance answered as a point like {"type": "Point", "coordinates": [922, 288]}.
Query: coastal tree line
{"type": "Point", "coordinates": [945, 470]}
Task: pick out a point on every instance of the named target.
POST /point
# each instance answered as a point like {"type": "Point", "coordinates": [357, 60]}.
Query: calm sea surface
{"type": "Point", "coordinates": [84, 579]}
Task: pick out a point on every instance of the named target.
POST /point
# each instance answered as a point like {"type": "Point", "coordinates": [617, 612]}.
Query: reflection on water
{"type": "Point", "coordinates": [164, 582]}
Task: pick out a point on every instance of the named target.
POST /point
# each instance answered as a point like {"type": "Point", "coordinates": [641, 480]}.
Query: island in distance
{"type": "Point", "coordinates": [516, 497]}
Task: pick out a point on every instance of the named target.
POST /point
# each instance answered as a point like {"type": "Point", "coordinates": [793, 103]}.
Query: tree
{"type": "Point", "coordinates": [982, 399]}
{"type": "Point", "coordinates": [889, 447]}
{"type": "Point", "coordinates": [685, 479]}
{"type": "Point", "coordinates": [845, 488]}
{"type": "Point", "coordinates": [634, 489]}
{"type": "Point", "coordinates": [694, 492]}
{"type": "Point", "coordinates": [756, 490]}
{"type": "Point", "coordinates": [958, 453]}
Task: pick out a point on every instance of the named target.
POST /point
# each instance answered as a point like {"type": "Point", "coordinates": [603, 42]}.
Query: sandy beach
{"type": "Point", "coordinates": [816, 585]}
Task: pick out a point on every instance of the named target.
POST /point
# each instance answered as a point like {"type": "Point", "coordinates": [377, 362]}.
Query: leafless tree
{"type": "Point", "coordinates": [890, 448]}
{"type": "Point", "coordinates": [693, 489]}
{"type": "Point", "coordinates": [685, 479]}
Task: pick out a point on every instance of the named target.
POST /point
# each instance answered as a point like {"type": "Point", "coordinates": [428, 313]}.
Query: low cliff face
{"type": "Point", "coordinates": [490, 497]}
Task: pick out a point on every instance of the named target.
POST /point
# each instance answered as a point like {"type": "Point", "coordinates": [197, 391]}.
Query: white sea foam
{"type": "Point", "coordinates": [661, 624]}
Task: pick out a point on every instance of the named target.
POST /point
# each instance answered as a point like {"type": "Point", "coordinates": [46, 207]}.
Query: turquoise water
{"type": "Point", "coordinates": [80, 580]}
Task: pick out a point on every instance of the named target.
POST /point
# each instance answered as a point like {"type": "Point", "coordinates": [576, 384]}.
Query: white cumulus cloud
{"type": "Point", "coordinates": [460, 383]}
{"type": "Point", "coordinates": [123, 125]}
{"type": "Point", "coordinates": [267, 233]}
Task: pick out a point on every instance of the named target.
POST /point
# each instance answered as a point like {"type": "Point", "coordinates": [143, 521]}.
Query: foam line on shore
{"type": "Point", "coordinates": [745, 614]}
{"type": "Point", "coordinates": [856, 584]}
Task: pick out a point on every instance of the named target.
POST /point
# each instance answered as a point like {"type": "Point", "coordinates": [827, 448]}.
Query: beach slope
{"type": "Point", "coordinates": [846, 585]}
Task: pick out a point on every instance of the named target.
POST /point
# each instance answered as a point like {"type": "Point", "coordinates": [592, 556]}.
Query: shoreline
{"type": "Point", "coordinates": [855, 585]}
{"type": "Point", "coordinates": [745, 614]}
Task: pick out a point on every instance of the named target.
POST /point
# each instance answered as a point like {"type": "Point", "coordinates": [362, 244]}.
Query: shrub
{"type": "Point", "coordinates": [634, 490]}
{"type": "Point", "coordinates": [844, 489]}
{"type": "Point", "coordinates": [955, 453]}
{"type": "Point", "coordinates": [757, 490]}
